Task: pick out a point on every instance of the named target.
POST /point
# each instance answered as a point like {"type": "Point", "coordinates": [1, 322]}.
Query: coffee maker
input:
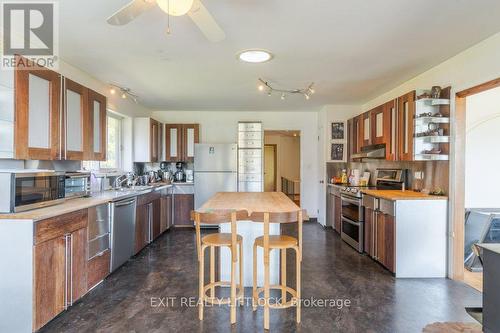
{"type": "Point", "coordinates": [179, 174]}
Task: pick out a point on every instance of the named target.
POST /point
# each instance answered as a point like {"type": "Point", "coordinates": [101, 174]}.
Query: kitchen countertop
{"type": "Point", "coordinates": [494, 247]}
{"type": "Point", "coordinates": [394, 195]}
{"type": "Point", "coordinates": [72, 205]}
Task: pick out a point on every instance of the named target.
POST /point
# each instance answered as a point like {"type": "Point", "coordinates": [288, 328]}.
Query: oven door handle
{"type": "Point", "coordinates": [357, 224]}
{"type": "Point", "coordinates": [352, 201]}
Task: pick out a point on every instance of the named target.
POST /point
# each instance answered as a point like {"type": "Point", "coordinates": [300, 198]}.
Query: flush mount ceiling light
{"type": "Point", "coordinates": [266, 86]}
{"type": "Point", "coordinates": [255, 56]}
{"type": "Point", "coordinates": [124, 92]}
{"type": "Point", "coordinates": [175, 7]}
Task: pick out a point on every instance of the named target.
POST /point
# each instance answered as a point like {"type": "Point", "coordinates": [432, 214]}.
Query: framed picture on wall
{"type": "Point", "coordinates": [338, 130]}
{"type": "Point", "coordinates": [337, 152]}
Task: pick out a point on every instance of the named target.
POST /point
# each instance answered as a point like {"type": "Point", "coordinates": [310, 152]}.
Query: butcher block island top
{"type": "Point", "coordinates": [395, 195]}
{"type": "Point", "coordinates": [271, 202]}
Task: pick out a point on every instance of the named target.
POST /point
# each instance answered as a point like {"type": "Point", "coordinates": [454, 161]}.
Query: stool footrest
{"type": "Point", "coordinates": [224, 300]}
{"type": "Point", "coordinates": [291, 291]}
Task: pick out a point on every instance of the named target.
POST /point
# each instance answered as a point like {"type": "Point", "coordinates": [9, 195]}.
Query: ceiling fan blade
{"type": "Point", "coordinates": [130, 11]}
{"type": "Point", "coordinates": [205, 21]}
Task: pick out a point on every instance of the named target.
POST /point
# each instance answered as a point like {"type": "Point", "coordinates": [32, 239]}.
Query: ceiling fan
{"type": "Point", "coordinates": [193, 8]}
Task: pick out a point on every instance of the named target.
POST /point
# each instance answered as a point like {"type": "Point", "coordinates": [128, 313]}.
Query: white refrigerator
{"type": "Point", "coordinates": [215, 170]}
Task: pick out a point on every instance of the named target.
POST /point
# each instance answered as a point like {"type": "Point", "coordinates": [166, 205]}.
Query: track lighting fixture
{"type": "Point", "coordinates": [124, 92]}
{"type": "Point", "coordinates": [307, 92]}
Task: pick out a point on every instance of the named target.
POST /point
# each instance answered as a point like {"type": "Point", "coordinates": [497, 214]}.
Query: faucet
{"type": "Point", "coordinates": [119, 181]}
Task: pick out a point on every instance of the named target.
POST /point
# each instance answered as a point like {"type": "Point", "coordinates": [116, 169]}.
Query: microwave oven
{"type": "Point", "coordinates": [23, 190]}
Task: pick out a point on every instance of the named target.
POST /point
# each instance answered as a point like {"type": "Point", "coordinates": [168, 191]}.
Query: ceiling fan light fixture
{"type": "Point", "coordinates": [175, 7]}
{"type": "Point", "coordinates": [255, 56]}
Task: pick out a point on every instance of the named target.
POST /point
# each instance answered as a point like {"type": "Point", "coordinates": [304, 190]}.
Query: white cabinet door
{"type": "Point", "coordinates": [96, 115]}
{"type": "Point", "coordinates": [74, 121]}
{"type": "Point", "coordinates": [39, 109]}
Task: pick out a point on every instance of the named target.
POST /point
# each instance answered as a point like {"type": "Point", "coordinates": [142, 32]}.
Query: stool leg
{"type": "Point", "coordinates": [212, 270]}
{"type": "Point", "coordinates": [201, 283]}
{"type": "Point", "coordinates": [233, 288]}
{"type": "Point", "coordinates": [283, 276]}
{"type": "Point", "coordinates": [254, 290]}
{"type": "Point", "coordinates": [240, 251]}
{"type": "Point", "coordinates": [298, 259]}
{"type": "Point", "coordinates": [266, 289]}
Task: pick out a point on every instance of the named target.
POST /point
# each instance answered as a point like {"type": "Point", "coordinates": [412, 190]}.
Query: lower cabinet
{"type": "Point", "coordinates": [98, 268]}
{"type": "Point", "coordinates": [148, 220]}
{"type": "Point", "coordinates": [166, 212]}
{"type": "Point", "coordinates": [60, 265]}
{"type": "Point", "coordinates": [380, 237]}
{"type": "Point", "coordinates": [141, 227]}
{"type": "Point", "coordinates": [183, 205]}
{"type": "Point", "coordinates": [156, 219]}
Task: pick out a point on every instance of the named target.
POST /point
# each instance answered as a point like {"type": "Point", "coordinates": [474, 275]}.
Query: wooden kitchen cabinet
{"type": "Point", "coordinates": [76, 130]}
{"type": "Point", "coordinates": [49, 280]}
{"type": "Point", "coordinates": [37, 123]}
{"type": "Point", "coordinates": [406, 115]}
{"type": "Point", "coordinates": [386, 241]}
{"type": "Point", "coordinates": [166, 212]}
{"type": "Point", "coordinates": [141, 227]}
{"type": "Point", "coordinates": [183, 205]}
{"type": "Point", "coordinates": [369, 241]}
{"type": "Point", "coordinates": [60, 265]}
{"type": "Point", "coordinates": [98, 123]}
{"type": "Point", "coordinates": [156, 226]}
{"type": "Point", "coordinates": [367, 130]}
{"type": "Point", "coordinates": [383, 127]}
{"type": "Point", "coordinates": [147, 140]}
{"type": "Point", "coordinates": [98, 268]}
{"type": "Point", "coordinates": [180, 140]}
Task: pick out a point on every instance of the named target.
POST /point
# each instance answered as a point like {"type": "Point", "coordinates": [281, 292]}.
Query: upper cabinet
{"type": "Point", "coordinates": [180, 140]}
{"type": "Point", "coordinates": [98, 124]}
{"type": "Point", "coordinates": [37, 132]}
{"type": "Point", "coordinates": [76, 128]}
{"type": "Point", "coordinates": [406, 114]}
{"type": "Point", "coordinates": [56, 118]}
{"type": "Point", "coordinates": [413, 127]}
{"type": "Point", "coordinates": [148, 145]}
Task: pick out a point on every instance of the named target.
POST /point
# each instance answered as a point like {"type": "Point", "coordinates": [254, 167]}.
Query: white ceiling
{"type": "Point", "coordinates": [353, 50]}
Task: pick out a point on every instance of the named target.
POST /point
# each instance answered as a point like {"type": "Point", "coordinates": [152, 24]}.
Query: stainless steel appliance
{"type": "Point", "coordinates": [371, 152]}
{"type": "Point", "coordinates": [98, 231]}
{"type": "Point", "coordinates": [77, 184]}
{"type": "Point", "coordinates": [23, 190]}
{"type": "Point", "coordinates": [179, 175]}
{"type": "Point", "coordinates": [250, 157]}
{"type": "Point", "coordinates": [189, 176]}
{"type": "Point", "coordinates": [122, 231]}
{"type": "Point", "coordinates": [215, 170]}
{"type": "Point", "coordinates": [352, 211]}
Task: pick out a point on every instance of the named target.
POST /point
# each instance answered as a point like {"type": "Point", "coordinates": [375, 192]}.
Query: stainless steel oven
{"type": "Point", "coordinates": [352, 230]}
{"type": "Point", "coordinates": [23, 190]}
{"type": "Point", "coordinates": [77, 184]}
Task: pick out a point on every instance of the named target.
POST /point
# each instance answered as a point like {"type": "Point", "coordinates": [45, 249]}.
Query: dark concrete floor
{"type": "Point", "coordinates": [330, 270]}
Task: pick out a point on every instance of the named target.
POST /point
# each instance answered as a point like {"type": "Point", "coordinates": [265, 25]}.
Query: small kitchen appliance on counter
{"type": "Point", "coordinates": [189, 176]}
{"type": "Point", "coordinates": [179, 175]}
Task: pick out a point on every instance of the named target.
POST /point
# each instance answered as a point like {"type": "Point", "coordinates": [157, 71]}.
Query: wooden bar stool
{"type": "Point", "coordinates": [232, 241]}
{"type": "Point", "coordinates": [282, 243]}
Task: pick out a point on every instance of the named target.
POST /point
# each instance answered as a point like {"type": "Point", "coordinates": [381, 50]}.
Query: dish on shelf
{"type": "Point", "coordinates": [433, 151]}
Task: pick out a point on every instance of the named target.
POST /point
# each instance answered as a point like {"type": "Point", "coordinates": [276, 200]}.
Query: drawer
{"type": "Point", "coordinates": [183, 189]}
{"type": "Point", "coordinates": [250, 168]}
{"type": "Point", "coordinates": [250, 143]}
{"type": "Point", "coordinates": [98, 245]}
{"type": "Point", "coordinates": [98, 268]}
{"type": "Point", "coordinates": [60, 225]}
{"type": "Point", "coordinates": [250, 187]}
{"type": "Point", "coordinates": [242, 136]}
{"type": "Point", "coordinates": [249, 153]}
{"type": "Point", "coordinates": [250, 177]}
{"type": "Point", "coordinates": [250, 127]}
{"type": "Point", "coordinates": [98, 221]}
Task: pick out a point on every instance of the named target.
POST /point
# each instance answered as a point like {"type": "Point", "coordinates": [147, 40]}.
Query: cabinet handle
{"type": "Point", "coordinates": [66, 272]}
{"type": "Point", "coordinates": [71, 269]}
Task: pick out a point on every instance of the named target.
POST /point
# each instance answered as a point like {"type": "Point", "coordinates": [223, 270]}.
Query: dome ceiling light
{"type": "Point", "coordinates": [255, 56]}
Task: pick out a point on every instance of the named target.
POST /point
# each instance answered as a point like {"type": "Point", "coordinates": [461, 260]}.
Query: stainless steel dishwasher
{"type": "Point", "coordinates": [122, 231]}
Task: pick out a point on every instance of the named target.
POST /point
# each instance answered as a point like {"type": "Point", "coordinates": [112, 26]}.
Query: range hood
{"type": "Point", "coordinates": [372, 151]}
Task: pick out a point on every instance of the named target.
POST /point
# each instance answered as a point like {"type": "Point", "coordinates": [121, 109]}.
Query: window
{"type": "Point", "coordinates": [114, 147]}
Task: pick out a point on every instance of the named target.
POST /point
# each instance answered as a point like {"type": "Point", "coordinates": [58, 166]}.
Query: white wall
{"type": "Point", "coordinates": [482, 159]}
{"type": "Point", "coordinates": [222, 127]}
{"type": "Point", "coordinates": [287, 156]}
{"type": "Point", "coordinates": [328, 114]}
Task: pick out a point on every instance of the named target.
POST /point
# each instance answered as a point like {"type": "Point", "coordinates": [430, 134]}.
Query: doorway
{"type": "Point", "coordinates": [477, 118]}
{"type": "Point", "coordinates": [282, 162]}
{"type": "Point", "coordinates": [270, 165]}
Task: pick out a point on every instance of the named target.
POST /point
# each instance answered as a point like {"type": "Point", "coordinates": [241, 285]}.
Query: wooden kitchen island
{"type": "Point", "coordinates": [254, 203]}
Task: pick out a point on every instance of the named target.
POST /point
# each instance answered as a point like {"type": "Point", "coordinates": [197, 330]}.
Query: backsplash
{"type": "Point", "coordinates": [435, 172]}
{"type": "Point", "coordinates": [140, 167]}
